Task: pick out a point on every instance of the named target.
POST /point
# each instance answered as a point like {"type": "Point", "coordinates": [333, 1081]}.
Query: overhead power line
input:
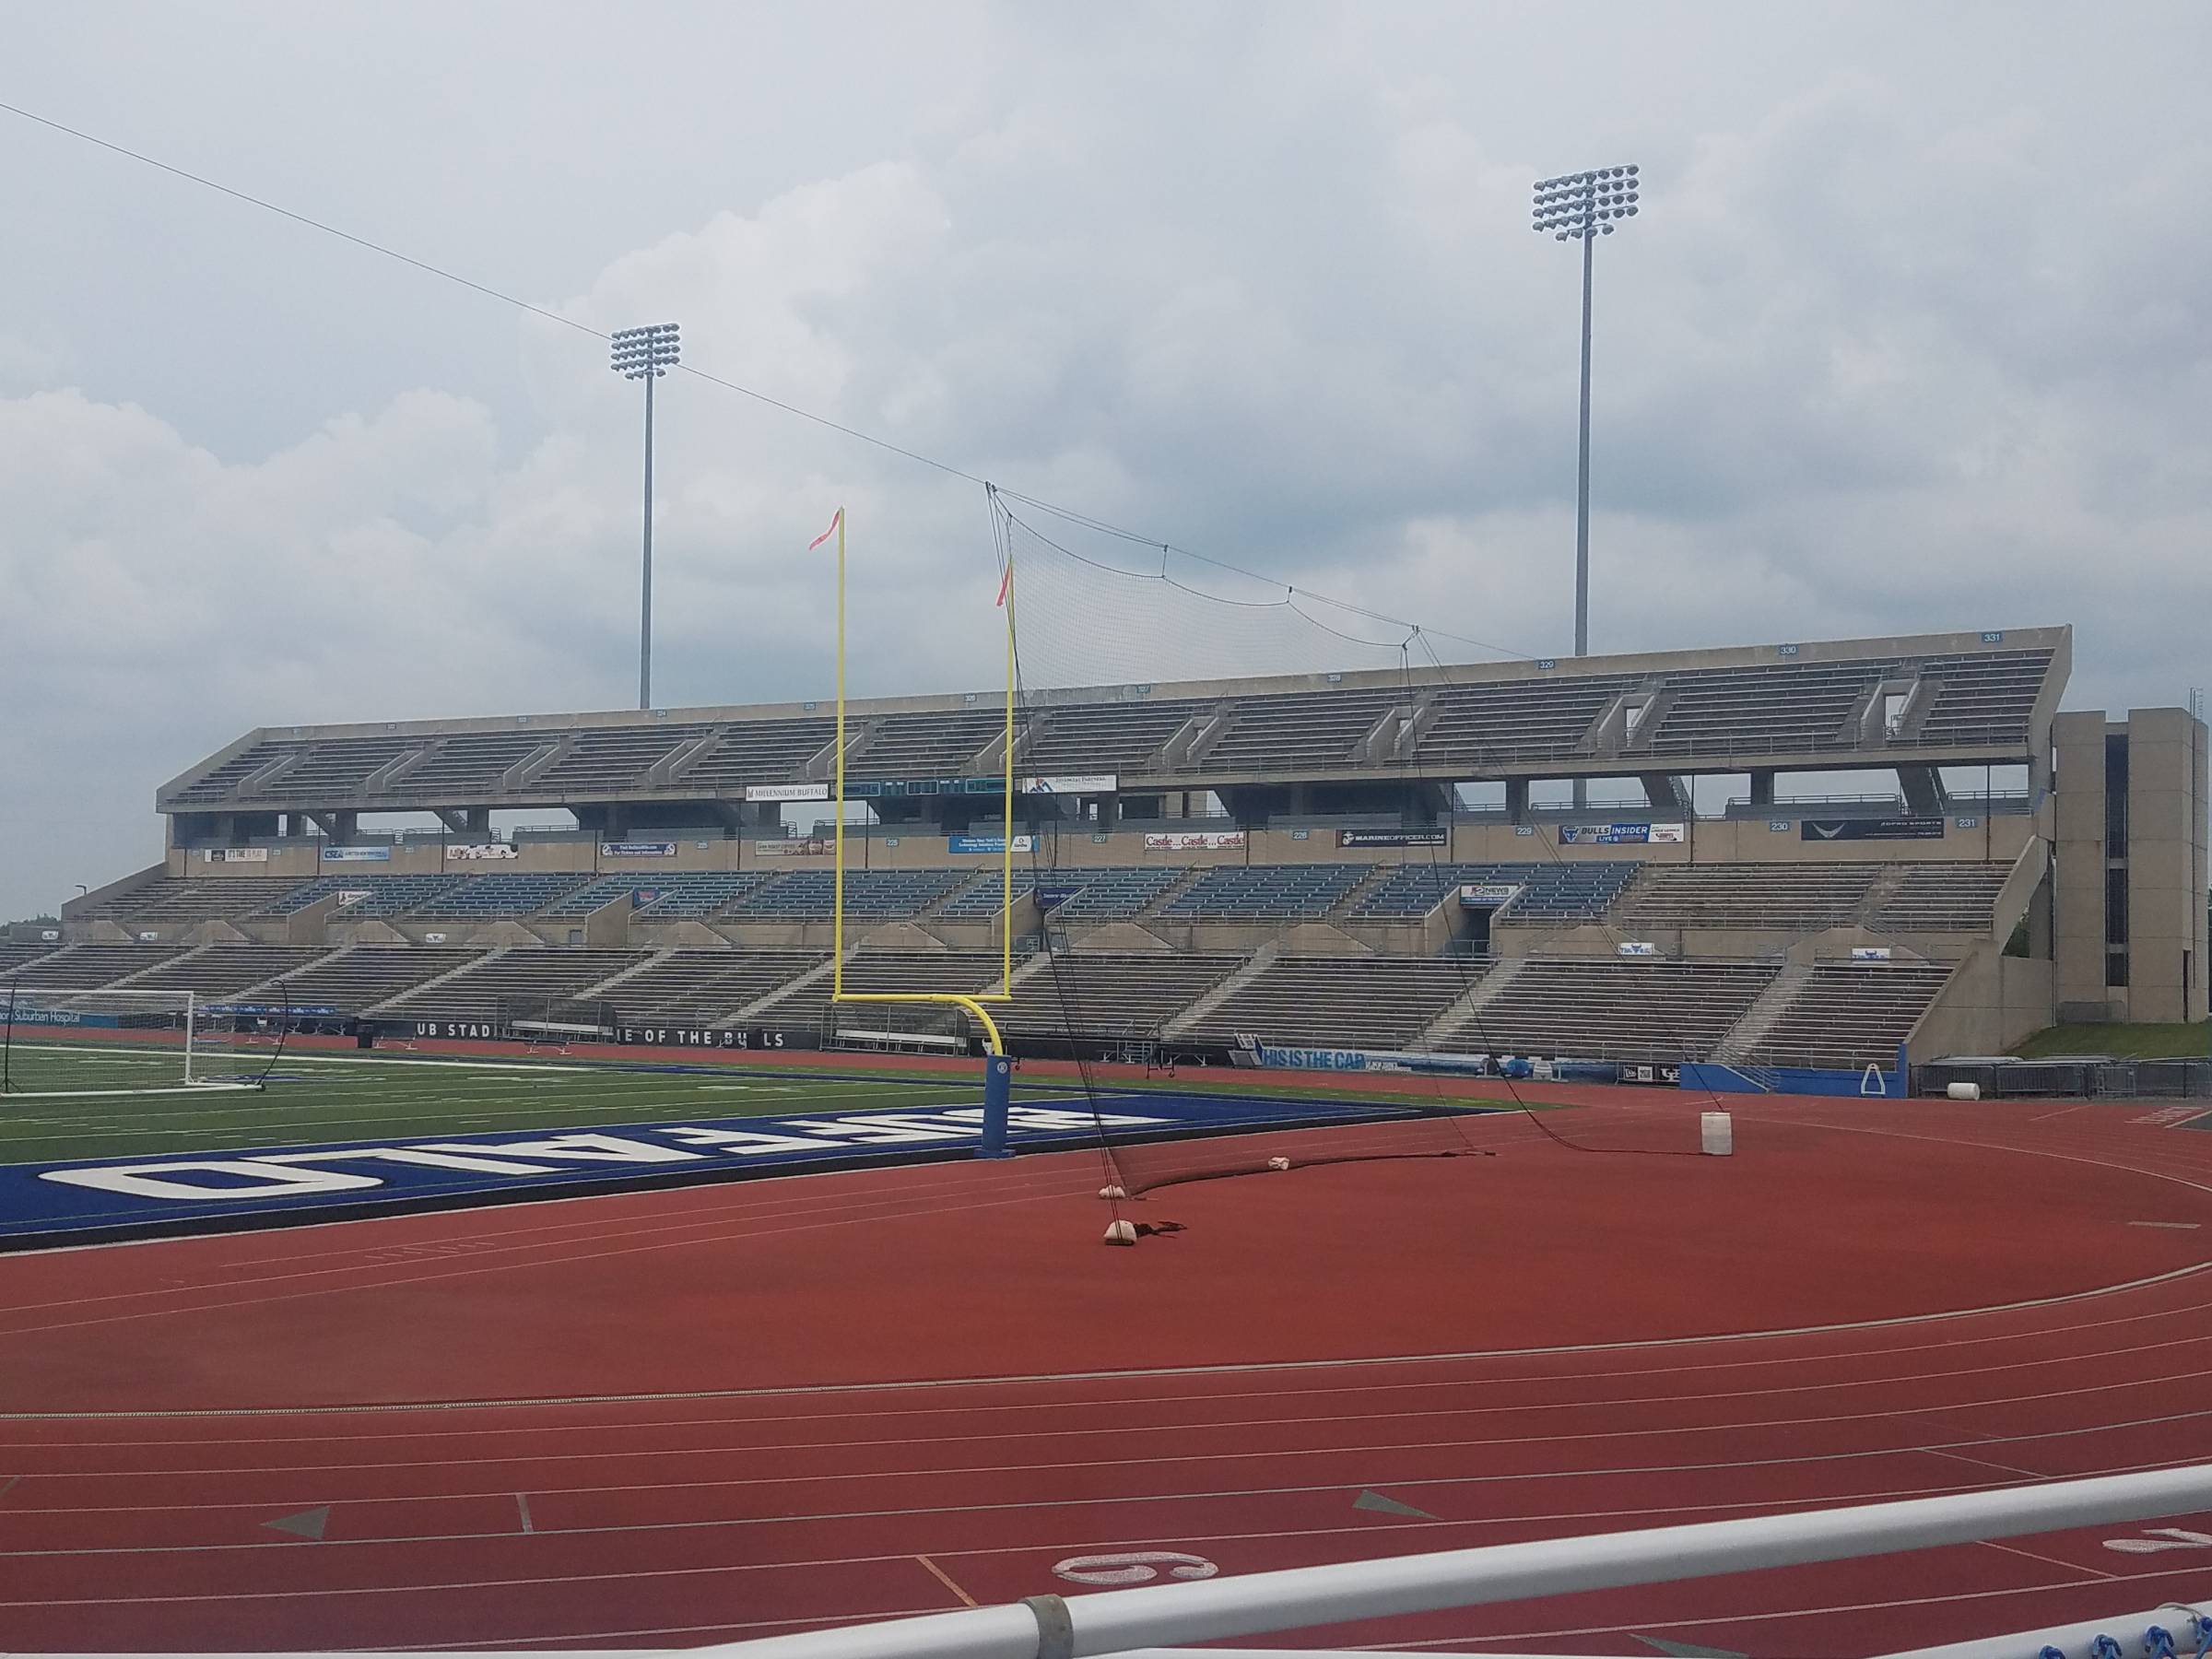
{"type": "Point", "coordinates": [370, 245]}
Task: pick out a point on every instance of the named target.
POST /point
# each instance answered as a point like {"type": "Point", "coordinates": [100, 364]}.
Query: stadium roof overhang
{"type": "Point", "coordinates": [1924, 700]}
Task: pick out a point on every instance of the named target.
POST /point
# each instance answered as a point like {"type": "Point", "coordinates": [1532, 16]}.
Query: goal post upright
{"type": "Point", "coordinates": [998, 1068]}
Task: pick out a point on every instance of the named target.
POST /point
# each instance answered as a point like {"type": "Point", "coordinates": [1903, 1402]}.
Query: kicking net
{"type": "Point", "coordinates": [62, 1040]}
{"type": "Point", "coordinates": [1191, 953]}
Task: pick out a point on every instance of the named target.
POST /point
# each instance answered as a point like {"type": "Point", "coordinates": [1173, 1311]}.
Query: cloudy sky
{"type": "Point", "coordinates": [1910, 335]}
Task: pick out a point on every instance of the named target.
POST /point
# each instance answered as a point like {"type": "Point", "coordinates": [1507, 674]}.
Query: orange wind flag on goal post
{"type": "Point", "coordinates": [836, 519]}
{"type": "Point", "coordinates": [1005, 582]}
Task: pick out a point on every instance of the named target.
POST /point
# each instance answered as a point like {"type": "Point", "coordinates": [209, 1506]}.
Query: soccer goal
{"type": "Point", "coordinates": [57, 1040]}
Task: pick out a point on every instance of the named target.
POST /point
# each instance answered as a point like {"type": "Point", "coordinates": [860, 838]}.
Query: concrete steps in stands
{"type": "Point", "coordinates": [760, 1005]}
{"type": "Point", "coordinates": [1174, 890]}
{"type": "Point", "coordinates": [652, 960]}
{"type": "Point", "coordinates": [1223, 990]}
{"type": "Point", "coordinates": [128, 980]}
{"type": "Point", "coordinates": [1743, 1038]}
{"type": "Point", "coordinates": [431, 983]}
{"type": "Point", "coordinates": [1468, 1011]}
{"type": "Point", "coordinates": [256, 993]}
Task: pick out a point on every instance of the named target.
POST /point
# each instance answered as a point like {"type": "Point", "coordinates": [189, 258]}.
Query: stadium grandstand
{"type": "Point", "coordinates": [1360, 861]}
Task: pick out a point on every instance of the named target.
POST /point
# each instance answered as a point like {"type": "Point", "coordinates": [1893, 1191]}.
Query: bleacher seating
{"type": "Point", "coordinates": [954, 970]}
{"type": "Point", "coordinates": [220, 782]}
{"type": "Point", "coordinates": [878, 895]}
{"type": "Point", "coordinates": [189, 898]}
{"type": "Point", "coordinates": [386, 895]}
{"type": "Point", "coordinates": [1609, 1009]}
{"type": "Point", "coordinates": [926, 745]}
{"type": "Point", "coordinates": [469, 763]}
{"type": "Point", "coordinates": [226, 969]}
{"type": "Point", "coordinates": [1785, 706]}
{"type": "Point", "coordinates": [1110, 994]}
{"type": "Point", "coordinates": [1112, 893]}
{"type": "Point", "coordinates": [678, 894]}
{"type": "Point", "coordinates": [1773, 707]}
{"type": "Point", "coordinates": [504, 977]}
{"type": "Point", "coordinates": [754, 751]}
{"type": "Point", "coordinates": [1118, 736]}
{"type": "Point", "coordinates": [504, 894]}
{"type": "Point", "coordinates": [705, 986]}
{"type": "Point", "coordinates": [1799, 897]}
{"type": "Point", "coordinates": [355, 980]}
{"type": "Point", "coordinates": [1284, 892]}
{"type": "Point", "coordinates": [1347, 1001]}
{"type": "Point", "coordinates": [1943, 897]}
{"type": "Point", "coordinates": [12, 956]}
{"type": "Point", "coordinates": [986, 895]}
{"type": "Point", "coordinates": [1850, 1014]}
{"type": "Point", "coordinates": [1552, 894]}
{"type": "Point", "coordinates": [1315, 729]}
{"type": "Point", "coordinates": [607, 758]}
{"type": "Point", "coordinates": [1986, 698]}
{"type": "Point", "coordinates": [82, 967]}
{"type": "Point", "coordinates": [336, 768]}
{"type": "Point", "coordinates": [1490, 722]}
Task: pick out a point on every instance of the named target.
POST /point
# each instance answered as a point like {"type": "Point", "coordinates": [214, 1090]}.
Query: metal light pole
{"type": "Point", "coordinates": [645, 354]}
{"type": "Point", "coordinates": [1582, 207]}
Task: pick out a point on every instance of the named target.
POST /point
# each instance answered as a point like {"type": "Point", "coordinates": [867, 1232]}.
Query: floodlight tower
{"type": "Point", "coordinates": [645, 354]}
{"type": "Point", "coordinates": [1582, 207]}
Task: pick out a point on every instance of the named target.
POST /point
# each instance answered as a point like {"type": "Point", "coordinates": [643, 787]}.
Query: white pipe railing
{"type": "Point", "coordinates": [1155, 1622]}
{"type": "Point", "coordinates": [1116, 1621]}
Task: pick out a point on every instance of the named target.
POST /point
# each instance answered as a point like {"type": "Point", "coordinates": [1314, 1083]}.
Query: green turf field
{"type": "Point", "coordinates": [315, 1098]}
{"type": "Point", "coordinates": [328, 1098]}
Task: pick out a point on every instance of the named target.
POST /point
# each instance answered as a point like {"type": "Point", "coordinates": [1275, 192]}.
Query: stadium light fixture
{"type": "Point", "coordinates": [645, 354]}
{"type": "Point", "coordinates": [1582, 207]}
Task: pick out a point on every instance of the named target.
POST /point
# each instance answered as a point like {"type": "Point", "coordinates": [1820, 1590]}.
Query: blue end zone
{"type": "Point", "coordinates": [96, 1200]}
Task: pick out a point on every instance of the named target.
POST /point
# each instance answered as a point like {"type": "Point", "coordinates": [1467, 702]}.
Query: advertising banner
{"type": "Point", "coordinates": [1190, 840]}
{"type": "Point", "coordinates": [1072, 784]}
{"type": "Point", "coordinates": [988, 843]}
{"type": "Point", "coordinates": [637, 849]}
{"type": "Point", "coordinates": [354, 895]}
{"type": "Point", "coordinates": [1622, 834]}
{"type": "Point", "coordinates": [787, 791]}
{"type": "Point", "coordinates": [1856, 829]}
{"type": "Point", "coordinates": [483, 849]}
{"type": "Point", "coordinates": [237, 855]}
{"type": "Point", "coordinates": [1638, 947]}
{"type": "Point", "coordinates": [1391, 838]}
{"type": "Point", "coordinates": [1489, 892]}
{"type": "Point", "coordinates": [356, 854]}
{"type": "Point", "coordinates": [796, 846]}
{"type": "Point", "coordinates": [1870, 953]}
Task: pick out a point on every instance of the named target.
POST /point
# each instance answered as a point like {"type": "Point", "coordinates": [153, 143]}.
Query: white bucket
{"type": "Point", "coordinates": [1716, 1134]}
{"type": "Point", "coordinates": [1963, 1091]}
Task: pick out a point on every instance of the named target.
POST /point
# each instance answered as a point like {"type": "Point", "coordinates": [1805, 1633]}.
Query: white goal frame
{"type": "Point", "coordinates": [44, 1014]}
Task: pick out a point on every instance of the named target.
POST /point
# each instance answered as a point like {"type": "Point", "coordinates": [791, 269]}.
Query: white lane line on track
{"type": "Point", "coordinates": [626, 1487]}
{"type": "Point", "coordinates": [1037, 1379]}
{"type": "Point", "coordinates": [2044, 1560]}
{"type": "Point", "coordinates": [1547, 1523]}
{"type": "Point", "coordinates": [1919, 1411]}
{"type": "Point", "coordinates": [1090, 1402]}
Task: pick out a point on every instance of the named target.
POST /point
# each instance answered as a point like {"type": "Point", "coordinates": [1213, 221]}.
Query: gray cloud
{"type": "Point", "coordinates": [1909, 338]}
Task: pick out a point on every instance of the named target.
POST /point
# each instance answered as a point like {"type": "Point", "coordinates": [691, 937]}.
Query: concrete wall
{"type": "Point", "coordinates": [1992, 1002]}
{"type": "Point", "coordinates": [2163, 859]}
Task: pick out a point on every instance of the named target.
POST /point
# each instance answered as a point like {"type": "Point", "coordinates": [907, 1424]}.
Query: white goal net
{"type": "Point", "coordinates": [62, 1041]}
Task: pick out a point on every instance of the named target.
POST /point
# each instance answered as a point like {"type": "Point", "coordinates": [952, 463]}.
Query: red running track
{"type": "Point", "coordinates": [662, 1420]}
